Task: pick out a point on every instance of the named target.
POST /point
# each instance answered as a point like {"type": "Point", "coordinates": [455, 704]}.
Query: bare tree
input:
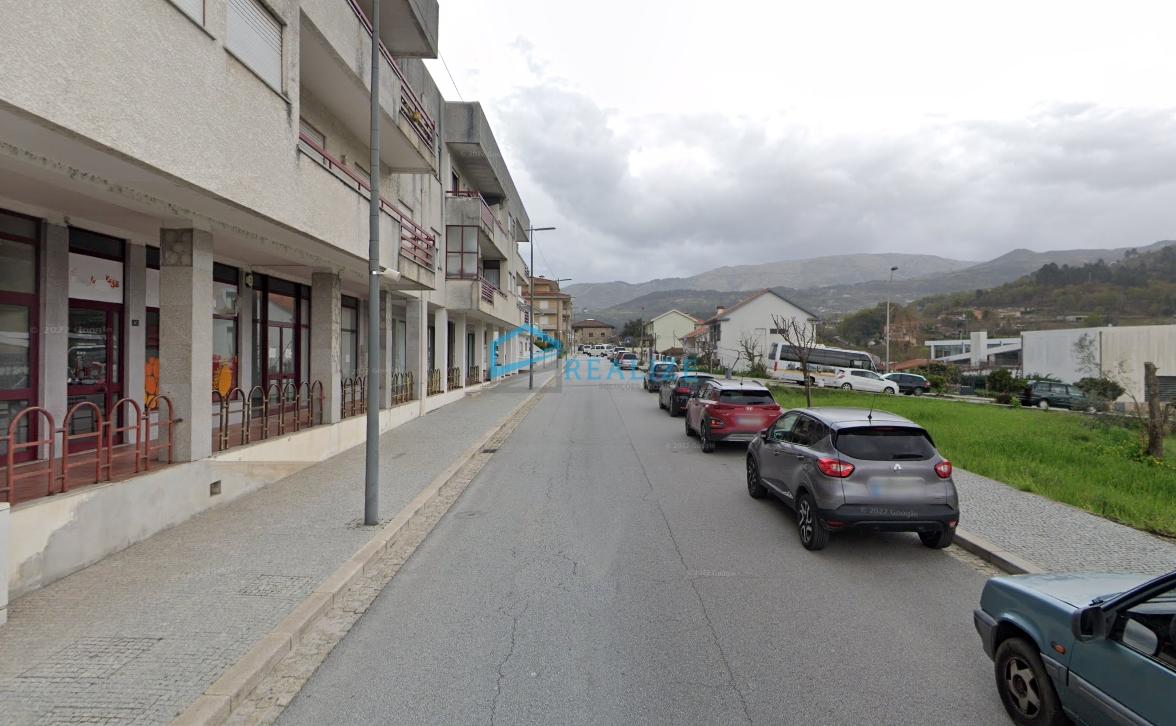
{"type": "Point", "coordinates": [799, 335]}
{"type": "Point", "coordinates": [751, 348]}
{"type": "Point", "coordinates": [1157, 412]}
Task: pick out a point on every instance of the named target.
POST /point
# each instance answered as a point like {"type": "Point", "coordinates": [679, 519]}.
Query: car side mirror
{"type": "Point", "coordinates": [766, 434]}
{"type": "Point", "coordinates": [1088, 623]}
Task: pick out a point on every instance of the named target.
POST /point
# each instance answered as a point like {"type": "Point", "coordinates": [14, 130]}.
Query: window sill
{"type": "Point", "coordinates": [257, 75]}
{"type": "Point", "coordinates": [193, 20]}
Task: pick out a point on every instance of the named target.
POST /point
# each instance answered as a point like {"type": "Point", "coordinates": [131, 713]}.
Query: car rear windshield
{"type": "Point", "coordinates": [885, 443]}
{"type": "Point", "coordinates": [629, 356]}
{"type": "Point", "coordinates": [745, 398]}
{"type": "Point", "coordinates": [663, 366]}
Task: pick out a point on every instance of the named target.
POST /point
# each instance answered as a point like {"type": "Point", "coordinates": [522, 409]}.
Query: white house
{"type": "Point", "coordinates": [750, 321]}
{"type": "Point", "coordinates": [667, 330]}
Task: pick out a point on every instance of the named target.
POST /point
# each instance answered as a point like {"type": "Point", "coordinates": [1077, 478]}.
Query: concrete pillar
{"type": "Point", "coordinates": [245, 334]}
{"type": "Point", "coordinates": [361, 361]}
{"type": "Point", "coordinates": [387, 338]}
{"type": "Point", "coordinates": [441, 345]}
{"type": "Point", "coordinates": [459, 347]}
{"type": "Point", "coordinates": [54, 321]}
{"type": "Point", "coordinates": [480, 348]}
{"type": "Point", "coordinates": [325, 315]}
{"type": "Point", "coordinates": [135, 322]}
{"type": "Point", "coordinates": [185, 337]}
{"type": "Point", "coordinates": [416, 344]}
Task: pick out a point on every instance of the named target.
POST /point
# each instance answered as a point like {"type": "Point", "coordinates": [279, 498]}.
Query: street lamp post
{"type": "Point", "coordinates": [531, 300]}
{"type": "Point", "coordinates": [371, 478]}
{"type": "Point", "coordinates": [888, 285]}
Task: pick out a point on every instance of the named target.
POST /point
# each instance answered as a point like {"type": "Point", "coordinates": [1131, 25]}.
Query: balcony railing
{"type": "Point", "coordinates": [487, 290]}
{"type": "Point", "coordinates": [410, 104]}
{"type": "Point", "coordinates": [415, 243]}
{"type": "Point", "coordinates": [488, 217]}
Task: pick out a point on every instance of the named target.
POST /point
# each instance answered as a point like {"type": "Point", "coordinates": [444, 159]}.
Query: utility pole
{"type": "Point", "coordinates": [531, 300]}
{"type": "Point", "coordinates": [888, 284]}
{"type": "Point", "coordinates": [371, 479]}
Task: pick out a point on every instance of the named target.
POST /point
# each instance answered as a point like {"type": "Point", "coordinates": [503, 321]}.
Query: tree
{"type": "Point", "coordinates": [1157, 412]}
{"type": "Point", "coordinates": [751, 349]}
{"type": "Point", "coordinates": [633, 329]}
{"type": "Point", "coordinates": [801, 335]}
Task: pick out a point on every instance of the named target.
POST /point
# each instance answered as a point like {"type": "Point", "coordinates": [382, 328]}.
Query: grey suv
{"type": "Point", "coordinates": [843, 468]}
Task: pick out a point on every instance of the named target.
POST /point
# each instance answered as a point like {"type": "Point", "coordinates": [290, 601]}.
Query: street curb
{"type": "Point", "coordinates": [1002, 558]}
{"type": "Point", "coordinates": [218, 701]}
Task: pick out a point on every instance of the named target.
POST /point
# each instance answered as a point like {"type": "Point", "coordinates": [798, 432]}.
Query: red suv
{"type": "Point", "coordinates": [729, 411]}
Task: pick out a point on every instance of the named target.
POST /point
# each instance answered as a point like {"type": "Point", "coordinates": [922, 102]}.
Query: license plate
{"type": "Point", "coordinates": [748, 420]}
{"type": "Point", "coordinates": [896, 488]}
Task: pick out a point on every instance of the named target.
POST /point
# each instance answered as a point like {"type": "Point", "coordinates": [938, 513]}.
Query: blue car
{"type": "Point", "coordinates": [1092, 648]}
{"type": "Point", "coordinates": [658, 374]}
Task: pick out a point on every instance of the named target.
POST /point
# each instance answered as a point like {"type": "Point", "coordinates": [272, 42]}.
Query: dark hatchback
{"type": "Point", "coordinates": [910, 384]}
{"type": "Point", "coordinates": [672, 397]}
{"type": "Point", "coordinates": [1048, 394]}
{"type": "Point", "coordinates": [658, 374]}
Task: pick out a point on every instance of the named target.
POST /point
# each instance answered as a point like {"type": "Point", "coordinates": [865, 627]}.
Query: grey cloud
{"type": "Point", "coordinates": [1068, 176]}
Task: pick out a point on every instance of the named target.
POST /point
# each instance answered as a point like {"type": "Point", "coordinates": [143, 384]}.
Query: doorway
{"type": "Point", "coordinates": [94, 362]}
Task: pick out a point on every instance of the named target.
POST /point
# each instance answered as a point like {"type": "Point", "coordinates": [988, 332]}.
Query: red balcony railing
{"type": "Point", "coordinates": [410, 104]}
{"type": "Point", "coordinates": [488, 217]}
{"type": "Point", "coordinates": [415, 242]}
{"type": "Point", "coordinates": [487, 290]}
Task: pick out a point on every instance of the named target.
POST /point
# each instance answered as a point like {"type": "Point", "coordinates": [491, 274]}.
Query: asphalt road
{"type": "Point", "coordinates": [603, 570]}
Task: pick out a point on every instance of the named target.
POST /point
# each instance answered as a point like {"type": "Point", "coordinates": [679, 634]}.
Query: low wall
{"type": "Point", "coordinates": [46, 539]}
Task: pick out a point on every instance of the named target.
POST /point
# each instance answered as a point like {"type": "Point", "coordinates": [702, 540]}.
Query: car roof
{"type": "Point", "coordinates": [696, 374]}
{"type": "Point", "coordinates": [738, 385]}
{"type": "Point", "coordinates": [841, 418]}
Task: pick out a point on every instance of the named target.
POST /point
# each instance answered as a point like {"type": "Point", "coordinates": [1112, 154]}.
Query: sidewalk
{"type": "Point", "coordinates": [138, 636]}
{"type": "Point", "coordinates": [1054, 536]}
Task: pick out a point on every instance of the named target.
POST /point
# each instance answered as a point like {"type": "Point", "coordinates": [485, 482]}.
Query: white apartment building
{"type": "Point", "coordinates": [184, 199]}
{"type": "Point", "coordinates": [750, 319]}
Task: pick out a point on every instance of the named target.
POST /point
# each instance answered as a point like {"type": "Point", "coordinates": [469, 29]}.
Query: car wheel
{"type": "Point", "coordinates": [1024, 687]}
{"type": "Point", "coordinates": [847, 386]}
{"type": "Point", "coordinates": [939, 540]}
{"type": "Point", "coordinates": [1043, 404]}
{"type": "Point", "coordinates": [755, 486]}
{"type": "Point", "coordinates": [812, 535]}
{"type": "Point", "coordinates": [672, 409]}
{"type": "Point", "coordinates": [918, 392]}
{"type": "Point", "coordinates": [888, 391]}
{"type": "Point", "coordinates": [689, 431]}
{"type": "Point", "coordinates": [704, 439]}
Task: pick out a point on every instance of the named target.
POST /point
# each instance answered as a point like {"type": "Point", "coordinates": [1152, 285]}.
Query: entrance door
{"type": "Point", "coordinates": [94, 361]}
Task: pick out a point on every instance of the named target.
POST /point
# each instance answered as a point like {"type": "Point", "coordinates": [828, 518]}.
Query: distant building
{"type": "Point", "coordinates": [667, 330]}
{"type": "Point", "coordinates": [591, 332]}
{"type": "Point", "coordinates": [553, 309]}
{"type": "Point", "coordinates": [750, 319]}
{"type": "Point", "coordinates": [1116, 353]}
{"type": "Point", "coordinates": [977, 351]}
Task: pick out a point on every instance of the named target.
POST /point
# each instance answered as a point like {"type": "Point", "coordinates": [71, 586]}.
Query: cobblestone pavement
{"type": "Point", "coordinates": [138, 636]}
{"type": "Point", "coordinates": [1056, 536]}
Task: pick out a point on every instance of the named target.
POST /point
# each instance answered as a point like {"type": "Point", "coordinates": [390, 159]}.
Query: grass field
{"type": "Point", "coordinates": [1067, 457]}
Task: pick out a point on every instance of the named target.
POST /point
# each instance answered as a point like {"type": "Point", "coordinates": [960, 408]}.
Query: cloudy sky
{"type": "Point", "coordinates": [667, 137]}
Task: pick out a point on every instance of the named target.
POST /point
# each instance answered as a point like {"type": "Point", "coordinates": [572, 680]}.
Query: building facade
{"type": "Point", "coordinates": [184, 212]}
{"type": "Point", "coordinates": [1117, 353]}
{"type": "Point", "coordinates": [748, 325]}
{"type": "Point", "coordinates": [592, 332]}
{"type": "Point", "coordinates": [666, 332]}
{"type": "Point", "coordinates": [553, 310]}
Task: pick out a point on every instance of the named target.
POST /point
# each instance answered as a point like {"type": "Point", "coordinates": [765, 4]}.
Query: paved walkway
{"type": "Point", "coordinates": [1056, 536]}
{"type": "Point", "coordinates": [138, 636]}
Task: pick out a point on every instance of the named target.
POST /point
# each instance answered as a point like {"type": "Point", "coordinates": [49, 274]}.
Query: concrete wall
{"type": "Point", "coordinates": [1120, 353]}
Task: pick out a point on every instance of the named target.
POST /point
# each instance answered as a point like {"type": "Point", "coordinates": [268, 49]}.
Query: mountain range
{"type": "Point", "coordinates": [828, 286]}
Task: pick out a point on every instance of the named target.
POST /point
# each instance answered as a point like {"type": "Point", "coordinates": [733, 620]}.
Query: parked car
{"type": "Point", "coordinates": [849, 468]}
{"type": "Point", "coordinates": [725, 410]}
{"type": "Point", "coordinates": [910, 384]}
{"type": "Point", "coordinates": [1094, 648]}
{"type": "Point", "coordinates": [672, 395]}
{"type": "Point", "coordinates": [658, 374]}
{"type": "Point", "coordinates": [627, 361]}
{"type": "Point", "coordinates": [615, 355]}
{"type": "Point", "coordinates": [1044, 394]}
{"type": "Point", "coordinates": [859, 379]}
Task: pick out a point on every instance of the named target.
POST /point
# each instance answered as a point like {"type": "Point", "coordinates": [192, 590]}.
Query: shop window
{"type": "Point", "coordinates": [281, 332]}
{"type": "Point", "coordinates": [349, 337]}
{"type": "Point", "coordinates": [224, 328]}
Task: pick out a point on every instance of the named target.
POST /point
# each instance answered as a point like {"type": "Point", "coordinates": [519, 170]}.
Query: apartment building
{"type": "Point", "coordinates": [592, 332]}
{"type": "Point", "coordinates": [553, 309]}
{"type": "Point", "coordinates": [184, 201]}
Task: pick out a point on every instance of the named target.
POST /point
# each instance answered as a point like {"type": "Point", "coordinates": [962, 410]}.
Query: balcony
{"type": "Point", "coordinates": [479, 295]}
{"type": "Point", "coordinates": [335, 68]}
{"type": "Point", "coordinates": [407, 27]}
{"type": "Point", "coordinates": [416, 247]}
{"type": "Point", "coordinates": [470, 209]}
{"type": "Point", "coordinates": [471, 144]}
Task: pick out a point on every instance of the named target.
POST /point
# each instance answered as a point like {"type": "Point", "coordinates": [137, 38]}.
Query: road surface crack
{"type": "Point", "coordinates": [514, 629]}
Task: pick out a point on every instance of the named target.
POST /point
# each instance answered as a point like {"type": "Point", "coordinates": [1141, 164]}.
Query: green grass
{"type": "Point", "coordinates": [1071, 458]}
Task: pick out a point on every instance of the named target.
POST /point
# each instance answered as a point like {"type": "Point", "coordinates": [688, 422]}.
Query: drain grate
{"type": "Point", "coordinates": [490, 450]}
{"type": "Point", "coordinates": [90, 659]}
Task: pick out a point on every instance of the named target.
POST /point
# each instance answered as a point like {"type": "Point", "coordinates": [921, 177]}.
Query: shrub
{"type": "Point", "coordinates": [1004, 397]}
{"type": "Point", "coordinates": [938, 383]}
{"type": "Point", "coordinates": [1100, 388]}
{"type": "Point", "coordinates": [1001, 381]}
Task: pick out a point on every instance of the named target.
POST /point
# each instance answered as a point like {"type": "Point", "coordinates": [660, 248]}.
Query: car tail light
{"type": "Point", "coordinates": [835, 467]}
{"type": "Point", "coordinates": [681, 389]}
{"type": "Point", "coordinates": [718, 422]}
{"type": "Point", "coordinates": [943, 469]}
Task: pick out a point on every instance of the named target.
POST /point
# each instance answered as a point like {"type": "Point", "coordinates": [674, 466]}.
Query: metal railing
{"type": "Point", "coordinates": [411, 106]}
{"type": "Point", "coordinates": [354, 400]}
{"type": "Point", "coordinates": [403, 389]}
{"type": "Point", "coordinates": [280, 408]}
{"type": "Point", "coordinates": [97, 447]}
{"type": "Point", "coordinates": [434, 382]}
{"type": "Point", "coordinates": [487, 290]}
{"type": "Point", "coordinates": [488, 217]}
{"type": "Point", "coordinates": [474, 374]}
{"type": "Point", "coordinates": [454, 379]}
{"type": "Point", "coordinates": [416, 243]}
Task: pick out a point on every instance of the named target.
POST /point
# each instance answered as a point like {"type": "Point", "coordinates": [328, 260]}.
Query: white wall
{"type": "Point", "coordinates": [754, 319]}
{"type": "Point", "coordinates": [669, 328]}
{"type": "Point", "coordinates": [1120, 352]}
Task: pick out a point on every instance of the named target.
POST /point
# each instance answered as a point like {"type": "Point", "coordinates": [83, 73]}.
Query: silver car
{"type": "Point", "coordinates": [847, 468]}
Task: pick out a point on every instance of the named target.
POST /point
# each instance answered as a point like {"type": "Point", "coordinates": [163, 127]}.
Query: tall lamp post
{"type": "Point", "coordinates": [888, 285]}
{"type": "Point", "coordinates": [531, 300]}
{"type": "Point", "coordinates": [371, 476]}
